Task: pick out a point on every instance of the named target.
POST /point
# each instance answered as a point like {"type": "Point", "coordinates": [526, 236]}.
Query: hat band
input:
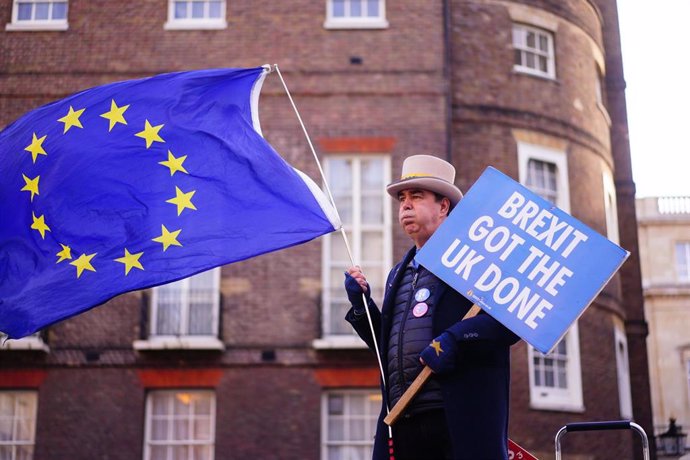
{"type": "Point", "coordinates": [411, 175]}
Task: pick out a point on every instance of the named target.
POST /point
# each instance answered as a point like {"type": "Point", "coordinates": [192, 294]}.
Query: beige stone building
{"type": "Point", "coordinates": [664, 235]}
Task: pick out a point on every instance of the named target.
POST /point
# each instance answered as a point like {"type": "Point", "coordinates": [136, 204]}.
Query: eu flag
{"type": "Point", "coordinates": [140, 183]}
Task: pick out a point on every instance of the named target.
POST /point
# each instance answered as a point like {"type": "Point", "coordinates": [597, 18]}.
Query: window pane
{"type": "Point", "coordinates": [159, 429]}
{"type": "Point", "coordinates": [202, 452]}
{"type": "Point", "coordinates": [338, 8]}
{"type": "Point", "coordinates": [5, 428]}
{"type": "Point", "coordinates": [542, 64]}
{"type": "Point", "coordinates": [529, 60]}
{"type": "Point", "coordinates": [24, 453]}
{"type": "Point", "coordinates": [518, 57]}
{"type": "Point", "coordinates": [159, 453]}
{"type": "Point", "coordinates": [530, 39]}
{"type": "Point", "coordinates": [197, 10]}
{"type": "Point", "coordinates": [180, 10]}
{"type": "Point", "coordinates": [59, 10]}
{"type": "Point", "coordinates": [372, 247]}
{"type": "Point", "coordinates": [214, 10]}
{"type": "Point", "coordinates": [202, 429]}
{"type": "Point", "coordinates": [168, 317]}
{"type": "Point", "coordinates": [355, 8]}
{"type": "Point", "coordinates": [543, 43]}
{"type": "Point", "coordinates": [373, 8]}
{"type": "Point", "coordinates": [42, 10]}
{"type": "Point", "coordinates": [180, 453]}
{"type": "Point", "coordinates": [24, 11]}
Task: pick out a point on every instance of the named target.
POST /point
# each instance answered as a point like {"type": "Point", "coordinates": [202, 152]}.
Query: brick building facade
{"type": "Point", "coordinates": [534, 88]}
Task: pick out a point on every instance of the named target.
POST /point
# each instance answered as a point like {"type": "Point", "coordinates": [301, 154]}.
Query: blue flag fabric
{"type": "Point", "coordinates": [140, 183]}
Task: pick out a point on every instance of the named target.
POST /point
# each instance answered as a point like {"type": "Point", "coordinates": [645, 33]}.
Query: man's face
{"type": "Point", "coordinates": [420, 214]}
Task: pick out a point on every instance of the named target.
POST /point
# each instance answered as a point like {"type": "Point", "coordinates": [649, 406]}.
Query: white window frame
{"type": "Point", "coordinates": [374, 394]}
{"type": "Point", "coordinates": [37, 24]}
{"type": "Point", "coordinates": [682, 270]}
{"type": "Point", "coordinates": [148, 442]}
{"type": "Point", "coordinates": [15, 396]}
{"type": "Point", "coordinates": [355, 230]}
{"type": "Point", "coordinates": [519, 41]}
{"type": "Point", "coordinates": [542, 397]}
{"type": "Point", "coordinates": [623, 372]}
{"type": "Point", "coordinates": [356, 22]}
{"type": "Point", "coordinates": [183, 340]}
{"type": "Point", "coordinates": [205, 23]}
{"type": "Point", "coordinates": [30, 342]}
{"type": "Point", "coordinates": [610, 207]}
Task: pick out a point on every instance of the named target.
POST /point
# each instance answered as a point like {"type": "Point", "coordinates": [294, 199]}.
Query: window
{"type": "Point", "coordinates": [623, 372]}
{"type": "Point", "coordinates": [534, 51]}
{"type": "Point", "coordinates": [610, 208]}
{"type": "Point", "coordinates": [180, 425]}
{"type": "Point", "coordinates": [38, 15]}
{"type": "Point", "coordinates": [348, 424]}
{"type": "Point", "coordinates": [31, 342]}
{"type": "Point", "coordinates": [356, 14]}
{"type": "Point", "coordinates": [683, 260]}
{"type": "Point", "coordinates": [358, 187]}
{"type": "Point", "coordinates": [185, 314]}
{"type": "Point", "coordinates": [555, 379]}
{"type": "Point", "coordinates": [17, 424]}
{"type": "Point", "coordinates": [196, 14]}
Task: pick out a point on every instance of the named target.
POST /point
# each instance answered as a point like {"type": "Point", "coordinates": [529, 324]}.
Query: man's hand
{"type": "Point", "coordinates": [356, 285]}
{"type": "Point", "coordinates": [441, 353]}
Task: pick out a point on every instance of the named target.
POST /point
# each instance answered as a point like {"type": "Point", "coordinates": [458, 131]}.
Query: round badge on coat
{"type": "Point", "coordinates": [420, 309]}
{"type": "Point", "coordinates": [422, 295]}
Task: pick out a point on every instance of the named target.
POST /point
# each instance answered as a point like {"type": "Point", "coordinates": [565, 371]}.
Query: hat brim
{"type": "Point", "coordinates": [432, 184]}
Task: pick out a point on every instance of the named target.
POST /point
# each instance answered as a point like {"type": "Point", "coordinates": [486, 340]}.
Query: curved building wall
{"type": "Point", "coordinates": [501, 113]}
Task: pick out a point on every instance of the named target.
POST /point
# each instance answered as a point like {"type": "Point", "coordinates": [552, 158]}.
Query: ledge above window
{"type": "Point", "coordinates": [355, 23]}
{"type": "Point", "coordinates": [195, 24]}
{"type": "Point", "coordinates": [339, 342]}
{"type": "Point", "coordinates": [31, 343]}
{"type": "Point", "coordinates": [37, 26]}
{"type": "Point", "coordinates": [179, 343]}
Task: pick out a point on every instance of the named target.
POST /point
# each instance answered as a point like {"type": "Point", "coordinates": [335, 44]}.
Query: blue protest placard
{"type": "Point", "coordinates": [527, 263]}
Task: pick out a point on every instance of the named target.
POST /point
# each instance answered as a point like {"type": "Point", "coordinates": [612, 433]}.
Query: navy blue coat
{"type": "Point", "coordinates": [476, 395]}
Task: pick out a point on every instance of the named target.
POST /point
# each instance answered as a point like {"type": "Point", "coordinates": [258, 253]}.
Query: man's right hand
{"type": "Point", "coordinates": [356, 285]}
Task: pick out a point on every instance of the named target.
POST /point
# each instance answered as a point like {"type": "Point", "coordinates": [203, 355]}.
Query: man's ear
{"type": "Point", "coordinates": [445, 206]}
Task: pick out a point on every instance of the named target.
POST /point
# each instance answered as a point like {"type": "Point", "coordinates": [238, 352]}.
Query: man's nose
{"type": "Point", "coordinates": [406, 203]}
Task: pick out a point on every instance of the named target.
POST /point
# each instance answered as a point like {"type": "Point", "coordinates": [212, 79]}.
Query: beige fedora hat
{"type": "Point", "coordinates": [427, 172]}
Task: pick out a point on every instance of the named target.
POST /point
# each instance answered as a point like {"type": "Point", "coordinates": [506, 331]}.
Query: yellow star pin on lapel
{"type": "Point", "coordinates": [436, 345]}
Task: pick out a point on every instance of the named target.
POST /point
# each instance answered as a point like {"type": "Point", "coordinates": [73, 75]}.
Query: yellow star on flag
{"type": "Point", "coordinates": [36, 147]}
{"type": "Point", "coordinates": [150, 133]}
{"type": "Point", "coordinates": [167, 238]}
{"type": "Point", "coordinates": [83, 263]}
{"type": "Point", "coordinates": [130, 261]}
{"type": "Point", "coordinates": [436, 345]}
{"type": "Point", "coordinates": [175, 164]}
{"type": "Point", "coordinates": [40, 225]}
{"type": "Point", "coordinates": [31, 186]}
{"type": "Point", "coordinates": [65, 254]}
{"type": "Point", "coordinates": [115, 114]}
{"type": "Point", "coordinates": [182, 200]}
{"type": "Point", "coordinates": [72, 119]}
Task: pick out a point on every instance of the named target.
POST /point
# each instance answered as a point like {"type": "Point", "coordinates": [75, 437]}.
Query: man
{"type": "Point", "coordinates": [462, 411]}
